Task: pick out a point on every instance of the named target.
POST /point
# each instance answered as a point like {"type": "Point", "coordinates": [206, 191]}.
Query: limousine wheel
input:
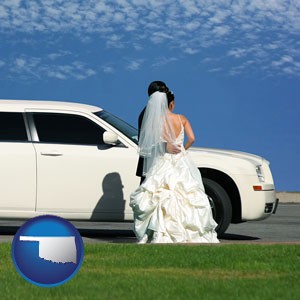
{"type": "Point", "coordinates": [220, 204]}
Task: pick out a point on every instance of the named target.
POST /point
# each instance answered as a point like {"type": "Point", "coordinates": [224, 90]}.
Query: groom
{"type": "Point", "coordinates": [155, 86]}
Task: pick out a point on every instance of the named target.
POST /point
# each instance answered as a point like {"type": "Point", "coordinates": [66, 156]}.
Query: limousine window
{"type": "Point", "coordinates": [12, 127]}
{"type": "Point", "coordinates": [67, 129]}
{"type": "Point", "coordinates": [119, 124]}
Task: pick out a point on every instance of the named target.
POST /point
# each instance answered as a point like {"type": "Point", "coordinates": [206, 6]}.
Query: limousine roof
{"type": "Point", "coordinates": [22, 105]}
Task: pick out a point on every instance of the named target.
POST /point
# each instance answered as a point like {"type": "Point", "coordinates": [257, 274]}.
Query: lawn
{"type": "Point", "coordinates": [131, 271]}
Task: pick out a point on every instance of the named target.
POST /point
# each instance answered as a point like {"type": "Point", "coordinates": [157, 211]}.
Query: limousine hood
{"type": "Point", "coordinates": [255, 159]}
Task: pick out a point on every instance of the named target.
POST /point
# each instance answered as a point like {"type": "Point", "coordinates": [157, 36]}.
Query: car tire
{"type": "Point", "coordinates": [220, 204]}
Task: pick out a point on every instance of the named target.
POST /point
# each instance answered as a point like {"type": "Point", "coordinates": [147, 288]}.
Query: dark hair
{"type": "Point", "coordinates": [160, 86]}
{"type": "Point", "coordinates": [157, 86]}
{"type": "Point", "coordinates": [170, 96]}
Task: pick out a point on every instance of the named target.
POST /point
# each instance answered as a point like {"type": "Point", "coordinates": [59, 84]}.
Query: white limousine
{"type": "Point", "coordinates": [78, 161]}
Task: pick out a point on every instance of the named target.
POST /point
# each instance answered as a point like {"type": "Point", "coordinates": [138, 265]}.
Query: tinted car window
{"type": "Point", "coordinates": [67, 129]}
{"type": "Point", "coordinates": [119, 124]}
{"type": "Point", "coordinates": [12, 127]}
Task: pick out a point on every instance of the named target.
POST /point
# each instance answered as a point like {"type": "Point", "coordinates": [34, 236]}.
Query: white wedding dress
{"type": "Point", "coordinates": [171, 205]}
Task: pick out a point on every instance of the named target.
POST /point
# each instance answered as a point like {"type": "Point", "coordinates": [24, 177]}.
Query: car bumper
{"type": "Point", "coordinates": [260, 202]}
{"type": "Point", "coordinates": [270, 208]}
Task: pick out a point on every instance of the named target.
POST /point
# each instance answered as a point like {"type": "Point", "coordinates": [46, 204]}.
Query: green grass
{"type": "Point", "coordinates": [131, 271]}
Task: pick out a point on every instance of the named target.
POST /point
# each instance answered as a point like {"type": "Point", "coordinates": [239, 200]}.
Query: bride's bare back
{"type": "Point", "coordinates": [177, 121]}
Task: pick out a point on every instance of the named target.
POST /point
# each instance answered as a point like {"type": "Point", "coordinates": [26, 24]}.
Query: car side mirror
{"type": "Point", "coordinates": [110, 138]}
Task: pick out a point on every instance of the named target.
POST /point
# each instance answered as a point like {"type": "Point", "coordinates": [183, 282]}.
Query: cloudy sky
{"type": "Point", "coordinates": [234, 66]}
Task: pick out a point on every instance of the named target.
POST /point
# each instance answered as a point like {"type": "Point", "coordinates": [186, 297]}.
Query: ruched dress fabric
{"type": "Point", "coordinates": [171, 205]}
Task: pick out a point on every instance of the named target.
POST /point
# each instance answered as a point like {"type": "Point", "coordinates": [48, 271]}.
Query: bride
{"type": "Point", "coordinates": [170, 206]}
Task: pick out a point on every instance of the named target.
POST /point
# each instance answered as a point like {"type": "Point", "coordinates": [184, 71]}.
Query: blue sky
{"type": "Point", "coordinates": [234, 66]}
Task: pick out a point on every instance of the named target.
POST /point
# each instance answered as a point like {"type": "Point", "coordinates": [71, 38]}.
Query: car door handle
{"type": "Point", "coordinates": [51, 153]}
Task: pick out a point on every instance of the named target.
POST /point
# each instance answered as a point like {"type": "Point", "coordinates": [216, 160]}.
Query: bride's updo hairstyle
{"type": "Point", "coordinates": [157, 86]}
{"type": "Point", "coordinates": [170, 96]}
{"type": "Point", "coordinates": [160, 86]}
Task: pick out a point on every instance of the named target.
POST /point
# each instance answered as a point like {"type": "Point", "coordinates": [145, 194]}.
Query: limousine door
{"type": "Point", "coordinates": [80, 177]}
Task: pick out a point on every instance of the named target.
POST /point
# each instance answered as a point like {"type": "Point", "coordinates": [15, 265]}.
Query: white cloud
{"type": "Point", "coordinates": [190, 7]}
{"type": "Point", "coordinates": [272, 46]}
{"type": "Point", "coordinates": [221, 30]}
{"type": "Point", "coordinates": [286, 65]}
{"type": "Point", "coordinates": [135, 65]}
{"type": "Point", "coordinates": [59, 54]}
{"type": "Point", "coordinates": [215, 70]}
{"type": "Point", "coordinates": [25, 66]}
{"type": "Point", "coordinates": [237, 53]}
{"type": "Point", "coordinates": [108, 69]}
{"type": "Point", "coordinates": [20, 63]}
{"type": "Point", "coordinates": [282, 61]}
{"type": "Point", "coordinates": [289, 70]}
{"type": "Point", "coordinates": [161, 61]}
{"type": "Point", "coordinates": [191, 50]}
{"type": "Point", "coordinates": [114, 41]}
{"type": "Point", "coordinates": [220, 16]}
{"type": "Point", "coordinates": [36, 67]}
{"type": "Point", "coordinates": [56, 75]}
{"type": "Point", "coordinates": [287, 58]}
{"type": "Point", "coordinates": [76, 70]}
{"type": "Point", "coordinates": [159, 37]}
{"type": "Point", "coordinates": [192, 25]}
